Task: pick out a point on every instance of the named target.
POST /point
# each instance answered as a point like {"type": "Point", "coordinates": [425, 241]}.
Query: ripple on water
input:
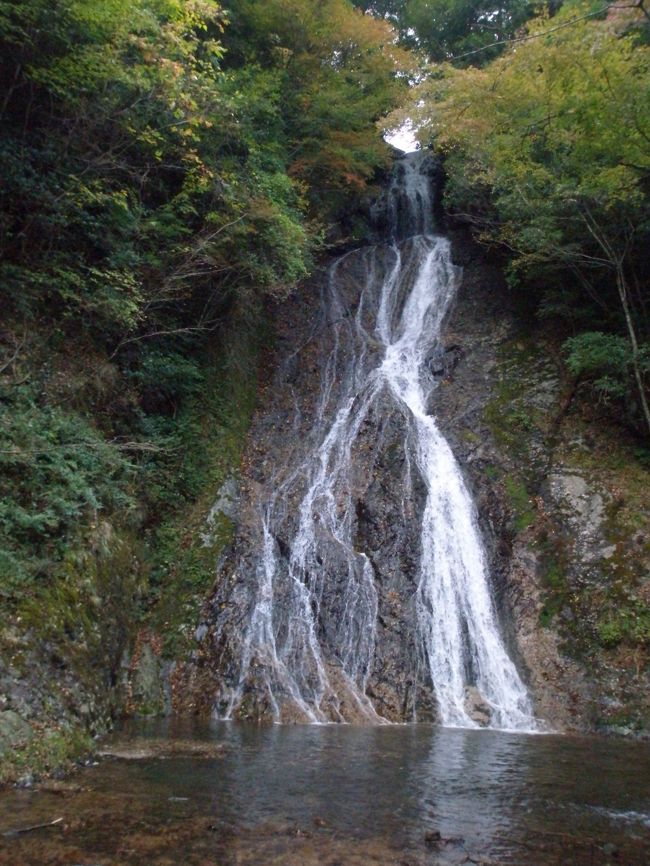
{"type": "Point", "coordinates": [408, 795]}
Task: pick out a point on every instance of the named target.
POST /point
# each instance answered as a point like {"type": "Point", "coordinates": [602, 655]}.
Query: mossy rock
{"type": "Point", "coordinates": [14, 731]}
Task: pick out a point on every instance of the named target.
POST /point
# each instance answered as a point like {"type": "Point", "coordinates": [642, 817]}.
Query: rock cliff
{"type": "Point", "coordinates": [561, 495]}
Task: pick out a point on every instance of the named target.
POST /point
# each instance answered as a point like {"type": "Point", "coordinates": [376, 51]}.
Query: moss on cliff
{"type": "Point", "coordinates": [186, 548]}
{"type": "Point", "coordinates": [577, 487]}
{"type": "Point", "coordinates": [50, 749]}
{"type": "Point", "coordinates": [69, 640]}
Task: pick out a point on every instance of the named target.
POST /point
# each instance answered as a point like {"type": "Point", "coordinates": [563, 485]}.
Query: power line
{"type": "Point", "coordinates": [569, 23]}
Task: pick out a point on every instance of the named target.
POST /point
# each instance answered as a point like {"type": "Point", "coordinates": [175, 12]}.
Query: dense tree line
{"type": "Point", "coordinates": [469, 32]}
{"type": "Point", "coordinates": [547, 151]}
{"type": "Point", "coordinates": [166, 165]}
{"type": "Point", "coordinates": [169, 164]}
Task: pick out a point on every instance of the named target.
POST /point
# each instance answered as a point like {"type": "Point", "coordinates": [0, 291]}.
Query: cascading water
{"type": "Point", "coordinates": [310, 628]}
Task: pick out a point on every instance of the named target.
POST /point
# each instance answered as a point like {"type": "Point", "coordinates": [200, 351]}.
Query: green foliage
{"type": "Point", "coordinates": [554, 569]}
{"type": "Point", "coordinates": [164, 169]}
{"type": "Point", "coordinates": [643, 456]}
{"type": "Point", "coordinates": [610, 633]}
{"type": "Point", "coordinates": [445, 29]}
{"type": "Point", "coordinates": [49, 751]}
{"type": "Point", "coordinates": [116, 217]}
{"type": "Point", "coordinates": [84, 613]}
{"type": "Point", "coordinates": [606, 359]}
{"type": "Point", "coordinates": [448, 28]}
{"type": "Point", "coordinates": [631, 624]}
{"type": "Point", "coordinates": [165, 380]}
{"type": "Point", "coordinates": [547, 155]}
{"type": "Point", "coordinates": [185, 548]}
{"type": "Point", "coordinates": [57, 473]}
{"type": "Point", "coordinates": [146, 181]}
{"type": "Point", "coordinates": [546, 617]}
{"type": "Point", "coordinates": [521, 419]}
{"type": "Point", "coordinates": [508, 413]}
{"type": "Point", "coordinates": [338, 73]}
{"type": "Point", "coordinates": [524, 515]}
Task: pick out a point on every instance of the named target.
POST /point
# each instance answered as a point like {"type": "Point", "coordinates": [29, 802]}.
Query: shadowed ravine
{"type": "Point", "coordinates": [308, 647]}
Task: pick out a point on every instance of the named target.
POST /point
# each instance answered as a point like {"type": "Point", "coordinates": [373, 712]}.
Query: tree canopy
{"type": "Point", "coordinates": [445, 29]}
{"type": "Point", "coordinates": [548, 153]}
{"type": "Point", "coordinates": [167, 165]}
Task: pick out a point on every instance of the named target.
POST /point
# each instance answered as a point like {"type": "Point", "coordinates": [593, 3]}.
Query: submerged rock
{"type": "Point", "coordinates": [144, 748]}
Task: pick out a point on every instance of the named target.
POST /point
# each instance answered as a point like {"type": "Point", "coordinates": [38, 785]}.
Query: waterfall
{"type": "Point", "coordinates": [311, 628]}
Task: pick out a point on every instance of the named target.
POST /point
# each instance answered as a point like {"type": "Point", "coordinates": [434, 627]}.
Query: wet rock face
{"type": "Point", "coordinates": [37, 684]}
{"type": "Point", "coordinates": [389, 529]}
{"type": "Point", "coordinates": [357, 585]}
{"type": "Point", "coordinates": [392, 212]}
{"type": "Point", "coordinates": [561, 501]}
{"type": "Point", "coordinates": [545, 515]}
{"type": "Point", "coordinates": [583, 509]}
{"type": "Point", "coordinates": [384, 524]}
{"type": "Point", "coordinates": [383, 504]}
{"type": "Point", "coordinates": [476, 707]}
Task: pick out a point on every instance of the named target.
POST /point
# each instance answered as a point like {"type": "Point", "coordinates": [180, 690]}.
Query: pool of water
{"type": "Point", "coordinates": [337, 795]}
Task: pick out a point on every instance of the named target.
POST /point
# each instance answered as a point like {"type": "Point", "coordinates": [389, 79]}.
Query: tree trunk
{"type": "Point", "coordinates": [616, 261]}
{"type": "Point", "coordinates": [621, 284]}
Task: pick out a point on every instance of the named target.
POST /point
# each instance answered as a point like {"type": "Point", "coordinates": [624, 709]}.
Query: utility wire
{"type": "Point", "coordinates": [571, 22]}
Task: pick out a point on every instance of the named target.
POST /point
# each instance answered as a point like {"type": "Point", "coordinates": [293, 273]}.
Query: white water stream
{"type": "Point", "coordinates": [379, 352]}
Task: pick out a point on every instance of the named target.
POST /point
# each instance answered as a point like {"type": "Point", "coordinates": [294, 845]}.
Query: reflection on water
{"type": "Point", "coordinates": [410, 795]}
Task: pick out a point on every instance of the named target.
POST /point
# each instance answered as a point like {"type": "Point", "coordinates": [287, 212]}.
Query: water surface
{"type": "Point", "coordinates": [408, 795]}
